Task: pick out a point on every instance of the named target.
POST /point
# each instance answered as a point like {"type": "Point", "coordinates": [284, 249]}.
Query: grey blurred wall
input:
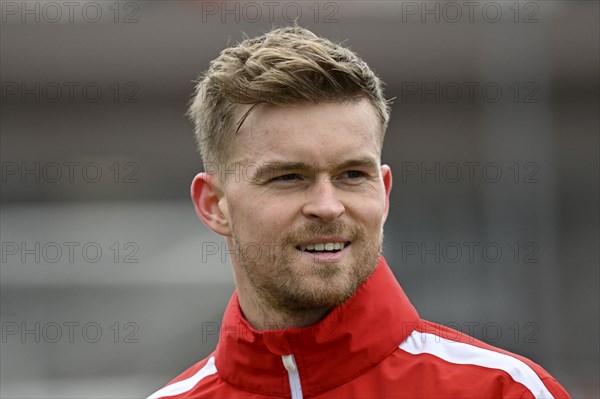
{"type": "Point", "coordinates": [110, 286]}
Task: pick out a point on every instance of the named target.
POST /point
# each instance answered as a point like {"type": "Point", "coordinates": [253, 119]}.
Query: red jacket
{"type": "Point", "coordinates": [372, 346]}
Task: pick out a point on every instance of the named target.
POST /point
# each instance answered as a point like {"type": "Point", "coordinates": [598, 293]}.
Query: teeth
{"type": "Point", "coordinates": [323, 246]}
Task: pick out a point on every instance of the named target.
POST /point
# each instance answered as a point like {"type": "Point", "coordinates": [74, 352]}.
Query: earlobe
{"type": "Point", "coordinates": [207, 195]}
{"type": "Point", "coordinates": [386, 174]}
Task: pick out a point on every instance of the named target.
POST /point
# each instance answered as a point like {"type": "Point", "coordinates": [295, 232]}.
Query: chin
{"type": "Point", "coordinates": [318, 294]}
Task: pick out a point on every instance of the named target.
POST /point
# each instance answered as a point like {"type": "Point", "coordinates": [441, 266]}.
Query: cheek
{"type": "Point", "coordinates": [254, 219]}
{"type": "Point", "coordinates": [274, 220]}
{"type": "Point", "coordinates": [369, 211]}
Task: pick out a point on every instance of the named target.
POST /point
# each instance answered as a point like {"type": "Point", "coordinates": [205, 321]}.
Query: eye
{"type": "Point", "coordinates": [352, 177]}
{"type": "Point", "coordinates": [354, 174]}
{"type": "Point", "coordinates": [286, 177]}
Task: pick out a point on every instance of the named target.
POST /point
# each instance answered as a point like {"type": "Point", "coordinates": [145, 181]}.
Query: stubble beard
{"type": "Point", "coordinates": [287, 284]}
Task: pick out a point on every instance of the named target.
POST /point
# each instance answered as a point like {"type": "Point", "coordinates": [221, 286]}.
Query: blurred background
{"type": "Point", "coordinates": [111, 286]}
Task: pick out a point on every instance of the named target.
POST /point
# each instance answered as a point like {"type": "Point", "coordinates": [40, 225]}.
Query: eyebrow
{"type": "Point", "coordinates": [269, 167]}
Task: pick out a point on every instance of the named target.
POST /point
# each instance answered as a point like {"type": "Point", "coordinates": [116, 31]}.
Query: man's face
{"type": "Point", "coordinates": [305, 200]}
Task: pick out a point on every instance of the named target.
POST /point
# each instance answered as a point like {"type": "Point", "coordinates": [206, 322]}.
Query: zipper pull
{"type": "Point", "coordinates": [289, 363]}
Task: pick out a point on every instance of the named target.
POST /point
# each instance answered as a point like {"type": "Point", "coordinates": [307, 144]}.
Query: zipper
{"type": "Point", "coordinates": [290, 365]}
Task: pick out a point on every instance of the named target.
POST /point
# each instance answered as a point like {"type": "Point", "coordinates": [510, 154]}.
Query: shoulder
{"type": "Point", "coordinates": [461, 357]}
{"type": "Point", "coordinates": [187, 382]}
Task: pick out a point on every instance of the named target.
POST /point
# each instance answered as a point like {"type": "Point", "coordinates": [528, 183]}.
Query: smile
{"type": "Point", "coordinates": [324, 247]}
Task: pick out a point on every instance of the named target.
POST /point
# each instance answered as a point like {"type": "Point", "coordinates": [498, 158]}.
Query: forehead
{"type": "Point", "coordinates": [310, 132]}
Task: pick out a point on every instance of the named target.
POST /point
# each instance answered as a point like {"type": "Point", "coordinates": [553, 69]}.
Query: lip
{"type": "Point", "coordinates": [324, 257]}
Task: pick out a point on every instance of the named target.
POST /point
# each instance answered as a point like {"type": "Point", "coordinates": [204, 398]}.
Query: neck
{"type": "Point", "coordinates": [261, 316]}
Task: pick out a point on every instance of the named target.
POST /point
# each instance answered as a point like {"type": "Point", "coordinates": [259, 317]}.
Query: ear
{"type": "Point", "coordinates": [386, 174]}
{"type": "Point", "coordinates": [210, 204]}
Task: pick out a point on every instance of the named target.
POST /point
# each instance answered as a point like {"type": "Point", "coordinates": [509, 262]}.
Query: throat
{"type": "Point", "coordinates": [263, 317]}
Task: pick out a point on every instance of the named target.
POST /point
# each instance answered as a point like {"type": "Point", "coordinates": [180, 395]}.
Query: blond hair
{"type": "Point", "coordinates": [284, 66]}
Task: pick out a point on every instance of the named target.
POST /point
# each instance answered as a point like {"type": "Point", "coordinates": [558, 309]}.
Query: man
{"type": "Point", "coordinates": [291, 127]}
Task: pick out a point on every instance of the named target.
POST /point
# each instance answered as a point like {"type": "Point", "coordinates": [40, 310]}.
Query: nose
{"type": "Point", "coordinates": [322, 204]}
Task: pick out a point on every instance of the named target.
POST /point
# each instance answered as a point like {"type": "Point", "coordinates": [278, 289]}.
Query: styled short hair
{"type": "Point", "coordinates": [284, 66]}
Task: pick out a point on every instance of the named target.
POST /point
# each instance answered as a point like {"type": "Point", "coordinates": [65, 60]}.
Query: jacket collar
{"type": "Point", "coordinates": [350, 340]}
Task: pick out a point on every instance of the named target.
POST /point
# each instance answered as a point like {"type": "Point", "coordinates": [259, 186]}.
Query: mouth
{"type": "Point", "coordinates": [324, 247]}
